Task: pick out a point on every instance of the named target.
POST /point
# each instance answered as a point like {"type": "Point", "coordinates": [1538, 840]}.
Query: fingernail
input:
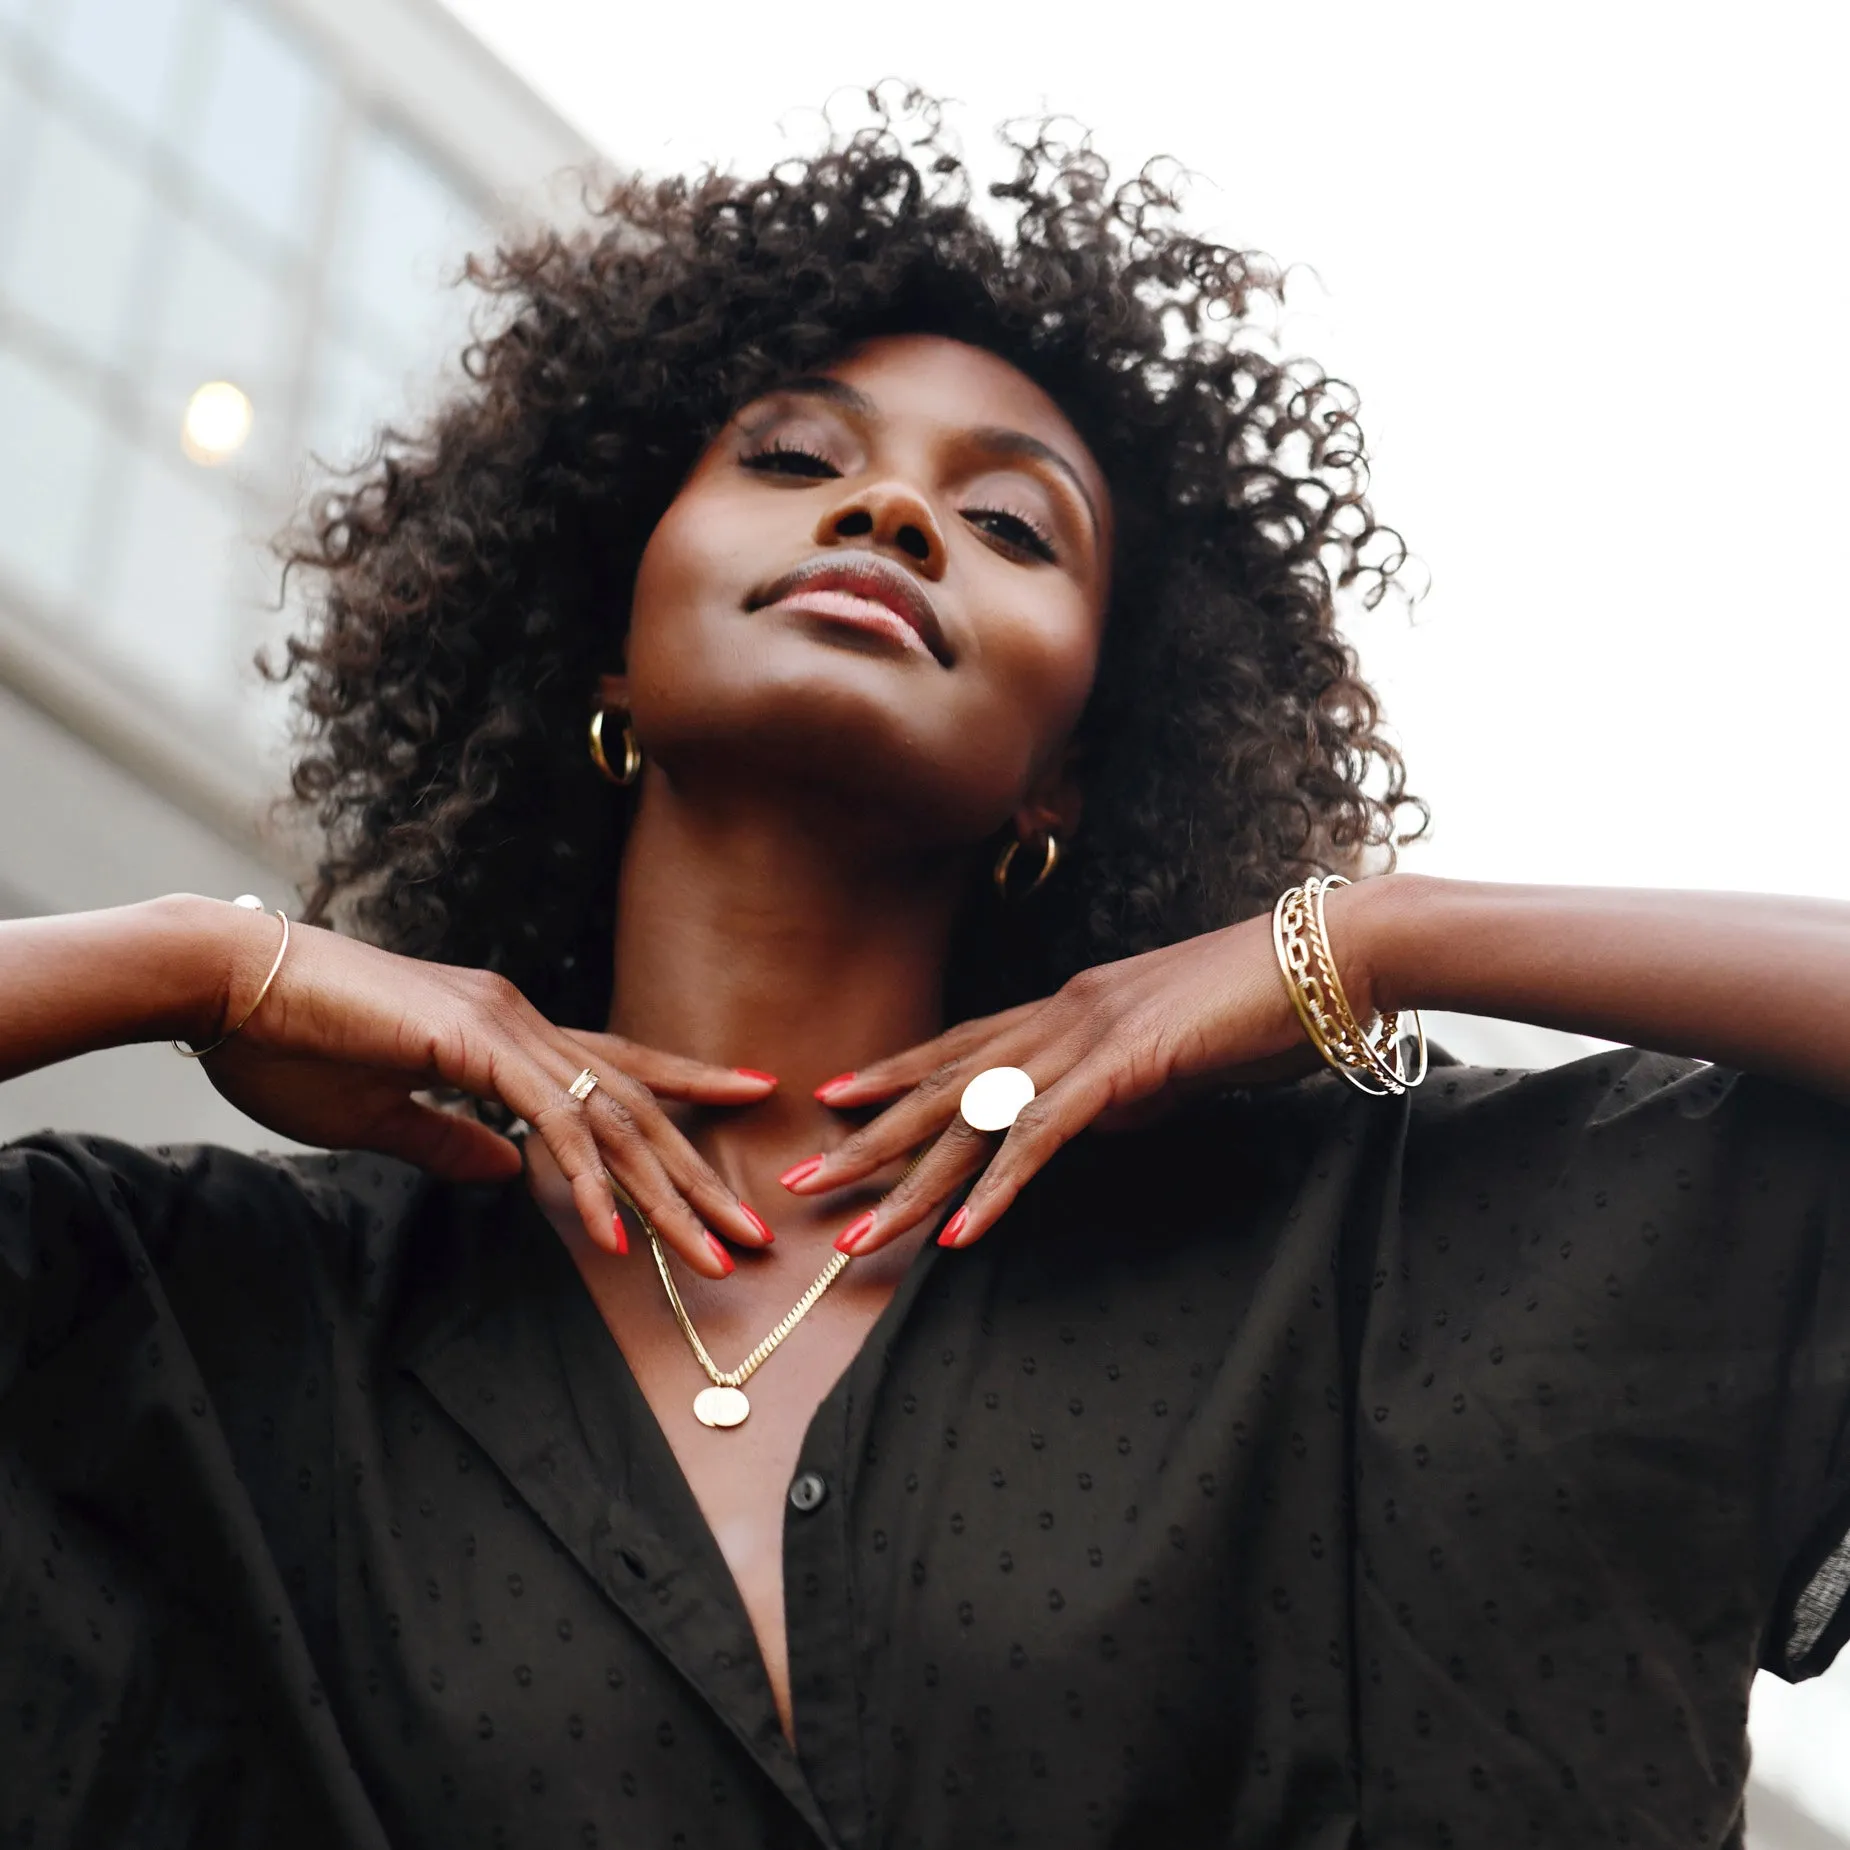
{"type": "Point", "coordinates": [953, 1227]}
{"type": "Point", "coordinates": [855, 1232]}
{"type": "Point", "coordinates": [834, 1085]}
{"type": "Point", "coordinates": [620, 1234]}
{"type": "Point", "coordinates": [800, 1172]}
{"type": "Point", "coordinates": [764, 1232]}
{"type": "Point", "coordinates": [751, 1072]}
{"type": "Point", "coordinates": [721, 1254]}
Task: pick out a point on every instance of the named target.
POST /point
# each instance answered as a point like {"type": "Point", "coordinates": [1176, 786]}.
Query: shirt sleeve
{"type": "Point", "coordinates": [171, 1326]}
{"type": "Point", "coordinates": [1667, 1245]}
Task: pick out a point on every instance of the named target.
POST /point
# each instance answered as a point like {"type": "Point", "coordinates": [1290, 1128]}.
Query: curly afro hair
{"type": "Point", "coordinates": [472, 578]}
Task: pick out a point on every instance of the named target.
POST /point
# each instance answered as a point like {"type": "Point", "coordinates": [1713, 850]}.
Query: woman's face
{"type": "Point", "coordinates": [886, 583]}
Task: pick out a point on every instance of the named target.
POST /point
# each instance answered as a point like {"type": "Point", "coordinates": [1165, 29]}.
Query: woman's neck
{"type": "Point", "coordinates": [755, 938]}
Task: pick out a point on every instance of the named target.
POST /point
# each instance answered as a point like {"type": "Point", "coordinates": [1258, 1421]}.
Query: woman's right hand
{"type": "Point", "coordinates": [349, 1034]}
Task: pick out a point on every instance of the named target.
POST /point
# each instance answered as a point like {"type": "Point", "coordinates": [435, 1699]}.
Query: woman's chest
{"type": "Point", "coordinates": [744, 1478]}
{"type": "Point", "coordinates": [1055, 1569]}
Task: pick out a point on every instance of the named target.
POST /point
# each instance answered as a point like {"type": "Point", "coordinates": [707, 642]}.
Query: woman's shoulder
{"type": "Point", "coordinates": [207, 1234]}
{"type": "Point", "coordinates": [1652, 1117]}
{"type": "Point", "coordinates": [170, 1190]}
{"type": "Point", "coordinates": [1622, 1104]}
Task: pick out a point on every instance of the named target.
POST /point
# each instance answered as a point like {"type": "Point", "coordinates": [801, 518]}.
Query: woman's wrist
{"type": "Point", "coordinates": [1380, 931]}
{"type": "Point", "coordinates": [161, 969]}
{"type": "Point", "coordinates": [203, 960]}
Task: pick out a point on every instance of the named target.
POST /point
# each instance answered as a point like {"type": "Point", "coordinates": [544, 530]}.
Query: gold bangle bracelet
{"type": "Point", "coordinates": [282, 951]}
{"type": "Point", "coordinates": [1370, 1060]}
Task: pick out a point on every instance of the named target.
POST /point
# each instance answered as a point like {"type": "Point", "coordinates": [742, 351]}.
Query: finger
{"type": "Point", "coordinates": [960, 1152]}
{"type": "Point", "coordinates": [1046, 1122]}
{"type": "Point", "coordinates": [888, 1077]}
{"type": "Point", "coordinates": [592, 1160]}
{"type": "Point", "coordinates": [624, 1119]}
{"type": "Point", "coordinates": [700, 1185]}
{"type": "Point", "coordinates": [617, 1150]}
{"type": "Point", "coordinates": [670, 1075]}
{"type": "Point", "coordinates": [448, 1144]}
{"type": "Point", "coordinates": [915, 1119]}
{"type": "Point", "coordinates": [932, 1105]}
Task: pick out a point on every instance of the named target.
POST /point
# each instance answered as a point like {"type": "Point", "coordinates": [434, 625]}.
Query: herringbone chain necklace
{"type": "Point", "coordinates": [724, 1403]}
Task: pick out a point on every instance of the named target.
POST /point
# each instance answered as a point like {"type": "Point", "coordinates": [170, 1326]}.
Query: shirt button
{"type": "Point", "coordinates": [808, 1492]}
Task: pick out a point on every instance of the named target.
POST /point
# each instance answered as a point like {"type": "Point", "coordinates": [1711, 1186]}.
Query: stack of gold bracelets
{"type": "Point", "coordinates": [1372, 1060]}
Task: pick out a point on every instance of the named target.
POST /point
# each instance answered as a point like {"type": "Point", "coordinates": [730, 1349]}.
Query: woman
{"type": "Point", "coordinates": [1292, 1467]}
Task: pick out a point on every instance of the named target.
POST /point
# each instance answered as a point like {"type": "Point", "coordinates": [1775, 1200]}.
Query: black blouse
{"type": "Point", "coordinates": [1436, 1470]}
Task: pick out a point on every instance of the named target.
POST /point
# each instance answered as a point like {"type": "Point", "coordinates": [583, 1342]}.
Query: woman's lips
{"type": "Point", "coordinates": [853, 611]}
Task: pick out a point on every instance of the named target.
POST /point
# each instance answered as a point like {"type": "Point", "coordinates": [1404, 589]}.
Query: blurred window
{"type": "Point", "coordinates": [261, 134]}
{"type": "Point", "coordinates": [220, 317]}
{"type": "Point", "coordinates": [48, 468]}
{"type": "Point", "coordinates": [405, 229]}
{"type": "Point", "coordinates": [351, 395]}
{"type": "Point", "coordinates": [18, 117]}
{"type": "Point", "coordinates": [168, 609]}
{"type": "Point", "coordinates": [74, 246]}
{"type": "Point", "coordinates": [128, 51]}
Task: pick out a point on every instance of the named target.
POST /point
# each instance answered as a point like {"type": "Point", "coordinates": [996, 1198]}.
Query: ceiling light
{"type": "Point", "coordinates": [217, 421]}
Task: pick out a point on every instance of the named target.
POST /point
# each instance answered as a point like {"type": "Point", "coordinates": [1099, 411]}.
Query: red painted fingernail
{"type": "Point", "coordinates": [855, 1232]}
{"type": "Point", "coordinates": [721, 1254]}
{"type": "Point", "coordinates": [764, 1232]}
{"type": "Point", "coordinates": [834, 1085]}
{"type": "Point", "coordinates": [620, 1234]}
{"type": "Point", "coordinates": [800, 1172]}
{"type": "Point", "coordinates": [953, 1227]}
{"type": "Point", "coordinates": [751, 1072]}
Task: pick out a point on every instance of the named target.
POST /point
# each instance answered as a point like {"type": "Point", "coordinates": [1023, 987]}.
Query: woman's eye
{"type": "Point", "coordinates": [1012, 530]}
{"type": "Point", "coordinates": [793, 460]}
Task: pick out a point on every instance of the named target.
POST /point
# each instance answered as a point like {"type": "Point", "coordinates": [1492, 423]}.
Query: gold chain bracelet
{"type": "Point", "coordinates": [1371, 1060]}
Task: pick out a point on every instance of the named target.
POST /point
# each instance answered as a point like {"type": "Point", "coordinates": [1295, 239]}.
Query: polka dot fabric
{"type": "Point", "coordinates": [1306, 1471]}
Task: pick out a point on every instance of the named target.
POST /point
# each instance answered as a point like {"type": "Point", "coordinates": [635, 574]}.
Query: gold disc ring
{"type": "Point", "coordinates": [994, 1099]}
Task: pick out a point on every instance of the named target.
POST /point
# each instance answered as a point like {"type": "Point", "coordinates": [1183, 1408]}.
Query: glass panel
{"type": "Point", "coordinates": [350, 395]}
{"type": "Point", "coordinates": [18, 119]}
{"type": "Point", "coordinates": [261, 134]}
{"type": "Point", "coordinates": [126, 50]}
{"type": "Point", "coordinates": [168, 611]}
{"type": "Point", "coordinates": [48, 465]}
{"type": "Point", "coordinates": [74, 248]}
{"type": "Point", "coordinates": [220, 318]}
{"type": "Point", "coordinates": [404, 231]}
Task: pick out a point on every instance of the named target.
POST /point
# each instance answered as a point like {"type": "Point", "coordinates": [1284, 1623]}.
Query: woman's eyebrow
{"type": "Point", "coordinates": [1001, 442]}
{"type": "Point", "coordinates": [835, 390]}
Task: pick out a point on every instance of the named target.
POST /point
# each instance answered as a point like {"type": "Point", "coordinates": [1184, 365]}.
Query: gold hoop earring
{"type": "Point", "coordinates": [632, 752]}
{"type": "Point", "coordinates": [1050, 859]}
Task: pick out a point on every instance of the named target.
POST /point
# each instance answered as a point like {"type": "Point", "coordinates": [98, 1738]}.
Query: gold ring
{"type": "Point", "coordinates": [583, 1086]}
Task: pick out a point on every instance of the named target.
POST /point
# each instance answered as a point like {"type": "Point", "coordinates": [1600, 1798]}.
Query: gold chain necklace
{"type": "Point", "coordinates": [723, 1403]}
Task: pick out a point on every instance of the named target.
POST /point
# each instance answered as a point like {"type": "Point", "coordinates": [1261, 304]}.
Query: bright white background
{"type": "Point", "coordinates": [1586, 265]}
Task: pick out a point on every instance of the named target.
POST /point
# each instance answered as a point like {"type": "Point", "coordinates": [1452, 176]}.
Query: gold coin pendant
{"type": "Point", "coordinates": [721, 1406]}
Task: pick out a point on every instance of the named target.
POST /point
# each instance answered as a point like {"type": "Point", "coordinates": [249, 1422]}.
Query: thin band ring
{"type": "Point", "coordinates": [583, 1086]}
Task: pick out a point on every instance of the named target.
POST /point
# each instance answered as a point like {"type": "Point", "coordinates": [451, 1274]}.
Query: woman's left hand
{"type": "Point", "coordinates": [1111, 1046]}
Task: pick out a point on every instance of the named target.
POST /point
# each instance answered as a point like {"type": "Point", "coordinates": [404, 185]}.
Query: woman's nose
{"type": "Point", "coordinates": [895, 518]}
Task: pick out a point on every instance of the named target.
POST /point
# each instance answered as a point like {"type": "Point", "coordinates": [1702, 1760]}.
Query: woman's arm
{"type": "Point", "coordinates": [1749, 981]}
{"type": "Point", "coordinates": [348, 1038]}
{"type": "Point", "coordinates": [168, 969]}
{"type": "Point", "coordinates": [1756, 983]}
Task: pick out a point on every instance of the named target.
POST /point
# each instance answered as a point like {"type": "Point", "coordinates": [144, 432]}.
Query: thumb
{"type": "Point", "coordinates": [446, 1143]}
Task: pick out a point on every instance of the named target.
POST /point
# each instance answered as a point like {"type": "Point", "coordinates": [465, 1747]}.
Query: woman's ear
{"type": "Point", "coordinates": [1053, 804]}
{"type": "Point", "coordinates": [613, 690]}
